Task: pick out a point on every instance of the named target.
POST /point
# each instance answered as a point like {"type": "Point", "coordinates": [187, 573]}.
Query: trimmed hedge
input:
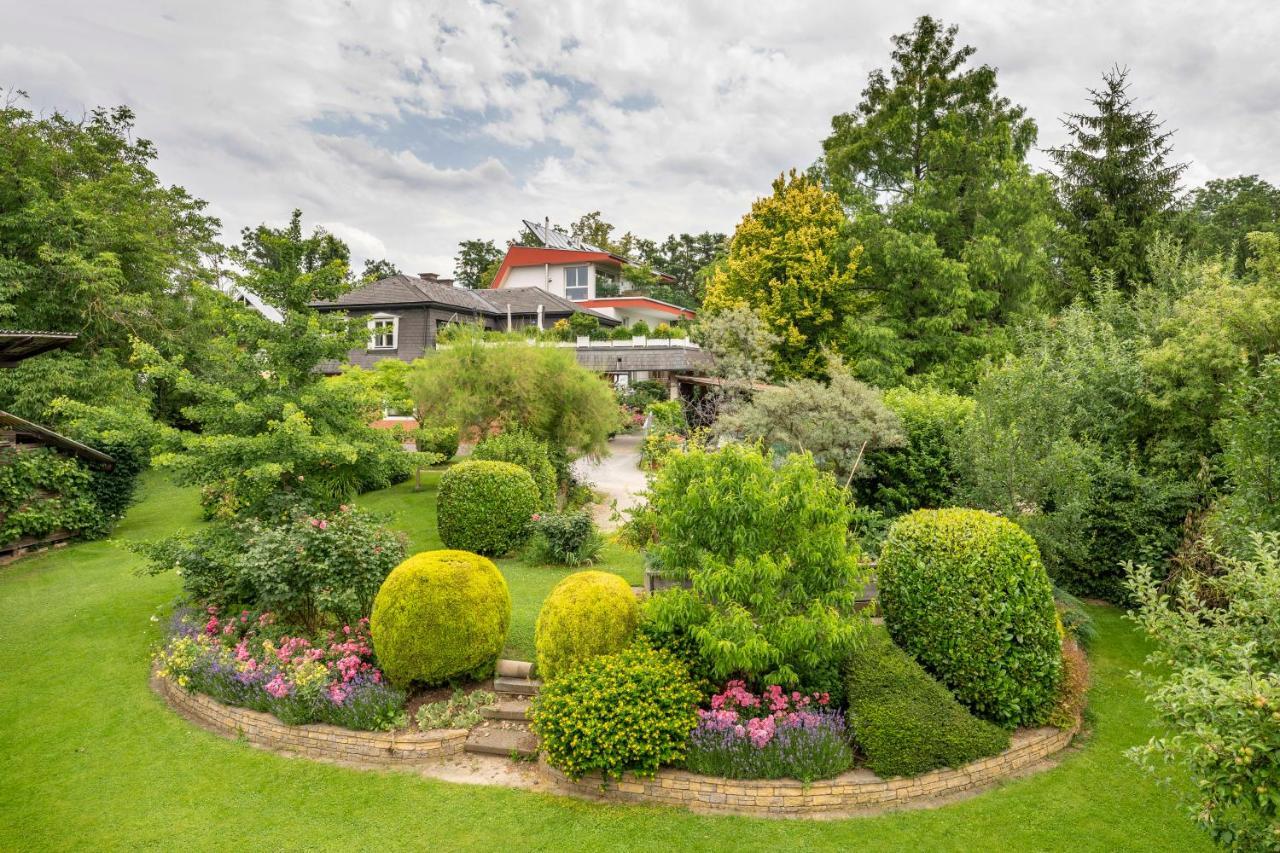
{"type": "Point", "coordinates": [440, 616]}
{"type": "Point", "coordinates": [632, 711]}
{"type": "Point", "coordinates": [440, 439]}
{"type": "Point", "coordinates": [485, 507]}
{"type": "Point", "coordinates": [521, 448]}
{"type": "Point", "coordinates": [904, 721]}
{"type": "Point", "coordinates": [586, 615]}
{"type": "Point", "coordinates": [965, 593]}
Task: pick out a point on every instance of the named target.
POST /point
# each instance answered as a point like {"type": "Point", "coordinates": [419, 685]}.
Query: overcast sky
{"type": "Point", "coordinates": [405, 127]}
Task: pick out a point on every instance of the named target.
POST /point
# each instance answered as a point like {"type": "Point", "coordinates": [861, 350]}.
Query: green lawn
{"type": "Point", "coordinates": [91, 759]}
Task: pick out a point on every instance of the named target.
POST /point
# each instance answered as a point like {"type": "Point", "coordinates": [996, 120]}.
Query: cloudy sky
{"type": "Point", "coordinates": [405, 127]}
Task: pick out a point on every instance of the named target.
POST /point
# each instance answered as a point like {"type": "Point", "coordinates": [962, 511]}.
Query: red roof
{"type": "Point", "coordinates": [638, 301]}
{"type": "Point", "coordinates": [530, 256]}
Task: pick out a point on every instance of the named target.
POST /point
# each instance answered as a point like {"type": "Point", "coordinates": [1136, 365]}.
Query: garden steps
{"type": "Point", "coordinates": [515, 688]}
{"type": "Point", "coordinates": [512, 709]}
{"type": "Point", "coordinates": [502, 737]}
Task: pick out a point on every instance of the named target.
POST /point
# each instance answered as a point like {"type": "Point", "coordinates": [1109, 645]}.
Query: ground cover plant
{"type": "Point", "coordinates": [459, 711]}
{"type": "Point", "coordinates": [771, 735]}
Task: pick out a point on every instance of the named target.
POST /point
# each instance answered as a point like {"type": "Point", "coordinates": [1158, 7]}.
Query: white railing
{"type": "Point", "coordinates": [637, 342]}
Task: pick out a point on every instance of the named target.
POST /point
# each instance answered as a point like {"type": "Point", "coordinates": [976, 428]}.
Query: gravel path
{"type": "Point", "coordinates": [617, 475]}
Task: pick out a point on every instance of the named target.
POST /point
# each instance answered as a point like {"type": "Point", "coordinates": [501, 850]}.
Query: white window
{"type": "Point", "coordinates": [575, 282]}
{"type": "Point", "coordinates": [383, 331]}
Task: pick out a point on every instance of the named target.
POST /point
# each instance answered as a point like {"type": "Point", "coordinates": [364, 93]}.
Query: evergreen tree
{"type": "Point", "coordinates": [1117, 183]}
{"type": "Point", "coordinates": [955, 225]}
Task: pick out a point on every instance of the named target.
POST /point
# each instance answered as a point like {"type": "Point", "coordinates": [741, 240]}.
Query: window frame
{"type": "Point", "coordinates": [585, 270]}
{"type": "Point", "coordinates": [380, 321]}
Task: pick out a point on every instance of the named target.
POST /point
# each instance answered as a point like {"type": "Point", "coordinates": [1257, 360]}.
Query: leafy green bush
{"type": "Point", "coordinates": [566, 539]}
{"type": "Point", "coordinates": [1250, 435]}
{"type": "Point", "coordinates": [25, 512]}
{"type": "Point", "coordinates": [441, 616]}
{"type": "Point", "coordinates": [632, 711]}
{"type": "Point", "coordinates": [905, 722]}
{"type": "Point", "coordinates": [438, 439]}
{"type": "Point", "coordinates": [640, 394]}
{"type": "Point", "coordinates": [667, 416]}
{"type": "Point", "coordinates": [304, 567]}
{"type": "Point", "coordinates": [485, 506]}
{"type": "Point", "coordinates": [965, 593]}
{"type": "Point", "coordinates": [922, 473]}
{"type": "Point", "coordinates": [586, 615]}
{"type": "Point", "coordinates": [773, 576]}
{"type": "Point", "coordinates": [1213, 682]}
{"type": "Point", "coordinates": [521, 448]}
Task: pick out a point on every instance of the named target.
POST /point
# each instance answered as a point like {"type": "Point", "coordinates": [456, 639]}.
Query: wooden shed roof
{"type": "Point", "coordinates": [16, 344]}
{"type": "Point", "coordinates": [47, 435]}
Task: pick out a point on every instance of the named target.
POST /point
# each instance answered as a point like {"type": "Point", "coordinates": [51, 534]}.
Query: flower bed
{"type": "Point", "coordinates": [244, 660]}
{"type": "Point", "coordinates": [773, 735]}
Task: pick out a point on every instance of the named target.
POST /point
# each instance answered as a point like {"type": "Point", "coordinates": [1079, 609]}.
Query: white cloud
{"type": "Point", "coordinates": [408, 126]}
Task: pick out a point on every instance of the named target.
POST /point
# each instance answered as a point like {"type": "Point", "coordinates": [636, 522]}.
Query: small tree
{"type": "Point", "coordinates": [773, 576]}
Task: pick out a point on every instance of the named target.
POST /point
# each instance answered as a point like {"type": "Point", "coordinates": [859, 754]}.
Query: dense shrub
{"type": "Point", "coordinates": [520, 448]}
{"type": "Point", "coordinates": [773, 577]}
{"type": "Point", "coordinates": [301, 566]}
{"type": "Point", "coordinates": [638, 395]}
{"type": "Point", "coordinates": [437, 439]}
{"type": "Point", "coordinates": [250, 660]}
{"type": "Point", "coordinates": [632, 711]}
{"type": "Point", "coordinates": [1250, 435]}
{"type": "Point", "coordinates": [485, 506]}
{"type": "Point", "coordinates": [441, 616]}
{"type": "Point", "coordinates": [965, 593]}
{"type": "Point", "coordinates": [566, 539]}
{"type": "Point", "coordinates": [24, 512]}
{"type": "Point", "coordinates": [773, 735]}
{"type": "Point", "coordinates": [586, 615]}
{"type": "Point", "coordinates": [1213, 680]}
{"type": "Point", "coordinates": [921, 473]}
{"type": "Point", "coordinates": [904, 721]}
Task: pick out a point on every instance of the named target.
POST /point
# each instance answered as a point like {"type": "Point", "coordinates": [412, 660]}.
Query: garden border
{"type": "Point", "coordinates": [316, 740]}
{"type": "Point", "coordinates": [851, 793]}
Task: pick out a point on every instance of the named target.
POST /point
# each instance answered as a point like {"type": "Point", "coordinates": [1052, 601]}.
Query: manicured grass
{"type": "Point", "coordinates": [414, 511]}
{"type": "Point", "coordinates": [91, 759]}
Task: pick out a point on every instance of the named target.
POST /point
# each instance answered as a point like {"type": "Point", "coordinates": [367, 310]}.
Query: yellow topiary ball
{"type": "Point", "coordinates": [440, 616]}
{"type": "Point", "coordinates": [587, 614]}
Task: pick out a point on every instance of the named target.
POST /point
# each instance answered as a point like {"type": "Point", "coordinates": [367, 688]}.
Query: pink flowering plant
{"type": "Point", "coordinates": [773, 734]}
{"type": "Point", "coordinates": [250, 660]}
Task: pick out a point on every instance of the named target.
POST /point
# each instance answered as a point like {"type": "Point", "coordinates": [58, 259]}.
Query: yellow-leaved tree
{"type": "Point", "coordinates": [791, 262]}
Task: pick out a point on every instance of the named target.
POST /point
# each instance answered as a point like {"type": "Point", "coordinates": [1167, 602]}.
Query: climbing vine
{"type": "Point", "coordinates": [42, 491]}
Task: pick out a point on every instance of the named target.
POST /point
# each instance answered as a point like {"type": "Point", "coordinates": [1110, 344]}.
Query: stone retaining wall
{"type": "Point", "coordinates": [849, 793]}
{"type": "Point", "coordinates": [324, 742]}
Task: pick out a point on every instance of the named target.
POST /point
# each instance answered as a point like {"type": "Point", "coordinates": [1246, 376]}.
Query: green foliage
{"type": "Point", "coordinates": [1216, 217]}
{"type": "Point", "coordinates": [583, 324]}
{"type": "Point", "coordinates": [640, 394]}
{"type": "Point", "coordinates": [439, 441]}
{"type": "Point", "coordinates": [639, 328]}
{"type": "Point", "coordinates": [386, 382]}
{"type": "Point", "coordinates": [740, 342]}
{"type": "Point", "coordinates": [667, 416]}
{"type": "Point", "coordinates": [303, 567]}
{"type": "Point", "coordinates": [460, 711]}
{"type": "Point", "coordinates": [478, 384]}
{"type": "Point", "coordinates": [790, 263]}
{"type": "Point", "coordinates": [440, 616]}
{"type": "Point", "coordinates": [956, 227]}
{"type": "Point", "coordinates": [486, 506]}
{"type": "Point", "coordinates": [90, 240]}
{"type": "Point", "coordinates": [904, 721]}
{"type": "Point", "coordinates": [476, 263]}
{"type": "Point", "coordinates": [43, 491]}
{"type": "Point", "coordinates": [521, 448]}
{"type": "Point", "coordinates": [1250, 435]}
{"type": "Point", "coordinates": [1214, 682]}
{"type": "Point", "coordinates": [632, 711]}
{"type": "Point", "coordinates": [587, 614]}
{"type": "Point", "coordinates": [839, 422]}
{"type": "Point", "coordinates": [566, 539]}
{"type": "Point", "coordinates": [1076, 621]}
{"type": "Point", "coordinates": [964, 592]}
{"type": "Point", "coordinates": [773, 579]}
{"type": "Point", "coordinates": [1117, 184]}
{"type": "Point", "coordinates": [923, 472]}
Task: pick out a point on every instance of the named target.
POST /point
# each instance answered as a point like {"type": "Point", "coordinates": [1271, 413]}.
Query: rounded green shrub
{"type": "Point", "coordinates": [440, 616]}
{"type": "Point", "coordinates": [965, 593]}
{"type": "Point", "coordinates": [904, 721]}
{"type": "Point", "coordinates": [586, 615]}
{"type": "Point", "coordinates": [531, 454]}
{"type": "Point", "coordinates": [632, 711]}
{"type": "Point", "coordinates": [437, 439]}
{"type": "Point", "coordinates": [485, 507]}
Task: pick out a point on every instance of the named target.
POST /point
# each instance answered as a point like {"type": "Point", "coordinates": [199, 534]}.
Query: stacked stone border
{"type": "Point", "coordinates": [848, 794]}
{"type": "Point", "coordinates": [318, 741]}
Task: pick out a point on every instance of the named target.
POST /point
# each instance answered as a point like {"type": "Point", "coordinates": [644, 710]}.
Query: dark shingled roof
{"type": "Point", "coordinates": [70, 445]}
{"type": "Point", "coordinates": [410, 290]}
{"type": "Point", "coordinates": [17, 344]}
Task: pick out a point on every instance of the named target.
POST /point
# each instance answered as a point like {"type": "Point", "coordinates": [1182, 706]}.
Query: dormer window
{"type": "Point", "coordinates": [384, 330]}
{"type": "Point", "coordinates": [575, 282]}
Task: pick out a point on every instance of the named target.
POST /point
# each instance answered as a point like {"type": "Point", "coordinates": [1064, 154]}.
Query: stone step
{"type": "Point", "coordinates": [505, 686]}
{"type": "Point", "coordinates": [511, 709]}
{"type": "Point", "coordinates": [513, 669]}
{"type": "Point", "coordinates": [497, 738]}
